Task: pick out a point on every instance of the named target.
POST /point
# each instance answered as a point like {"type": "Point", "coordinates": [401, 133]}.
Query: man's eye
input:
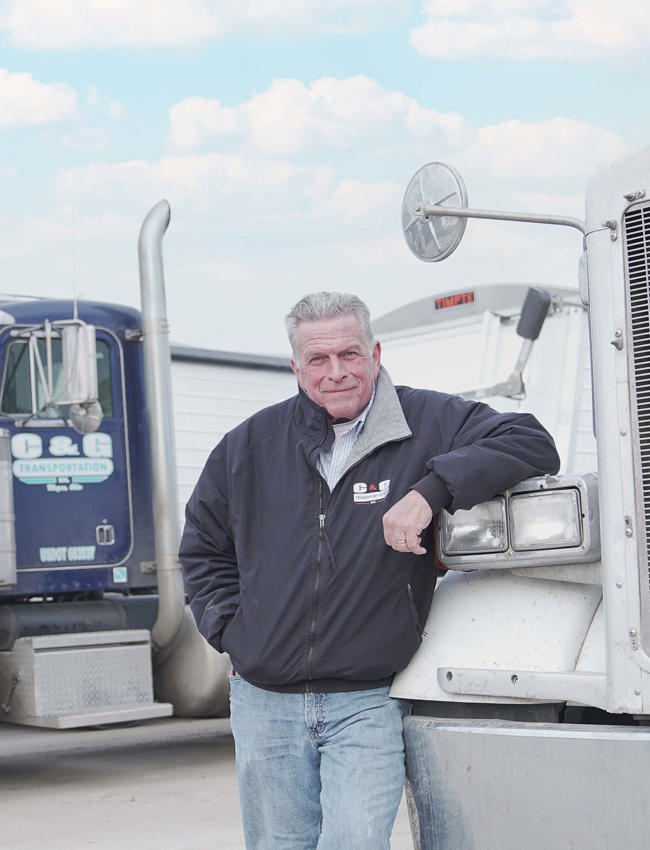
{"type": "Point", "coordinates": [316, 361]}
{"type": "Point", "coordinates": [351, 355]}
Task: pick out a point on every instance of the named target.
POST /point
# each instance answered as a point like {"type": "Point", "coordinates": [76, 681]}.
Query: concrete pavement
{"type": "Point", "coordinates": [162, 785]}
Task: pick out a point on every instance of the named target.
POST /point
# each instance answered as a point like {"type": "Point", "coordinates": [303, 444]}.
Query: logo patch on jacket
{"type": "Point", "coordinates": [365, 494]}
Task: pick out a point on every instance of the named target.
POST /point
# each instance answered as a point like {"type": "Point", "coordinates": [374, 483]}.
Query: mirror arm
{"type": "Point", "coordinates": [49, 361]}
{"type": "Point", "coordinates": [467, 212]}
{"type": "Point", "coordinates": [513, 388]}
{"type": "Point", "coordinates": [41, 373]}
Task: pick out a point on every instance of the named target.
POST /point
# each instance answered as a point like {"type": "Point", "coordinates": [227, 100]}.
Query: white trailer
{"type": "Point", "coordinates": [213, 391]}
{"type": "Point", "coordinates": [466, 342]}
{"type": "Point", "coordinates": [531, 687]}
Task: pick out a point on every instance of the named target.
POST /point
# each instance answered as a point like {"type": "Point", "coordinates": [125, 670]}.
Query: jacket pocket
{"type": "Point", "coordinates": [227, 632]}
{"type": "Point", "coordinates": [415, 617]}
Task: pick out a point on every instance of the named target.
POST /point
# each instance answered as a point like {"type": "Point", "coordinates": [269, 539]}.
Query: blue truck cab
{"type": "Point", "coordinates": [82, 501]}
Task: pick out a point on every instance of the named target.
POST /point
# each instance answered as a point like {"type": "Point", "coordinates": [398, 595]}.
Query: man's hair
{"type": "Point", "coordinates": [328, 305]}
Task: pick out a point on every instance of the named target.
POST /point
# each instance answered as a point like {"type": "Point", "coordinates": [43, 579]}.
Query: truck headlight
{"type": "Point", "coordinates": [542, 521]}
{"type": "Point", "coordinates": [483, 529]}
{"type": "Point", "coordinates": [546, 520]}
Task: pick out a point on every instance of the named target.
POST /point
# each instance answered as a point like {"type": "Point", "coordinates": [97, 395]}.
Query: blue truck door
{"type": "Point", "coordinates": [72, 491]}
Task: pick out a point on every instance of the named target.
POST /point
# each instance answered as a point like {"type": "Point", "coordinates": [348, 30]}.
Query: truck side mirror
{"type": "Point", "coordinates": [79, 362]}
{"type": "Point", "coordinates": [533, 312]}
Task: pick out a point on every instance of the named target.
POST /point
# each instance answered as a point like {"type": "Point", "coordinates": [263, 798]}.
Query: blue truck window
{"type": "Point", "coordinates": [18, 386]}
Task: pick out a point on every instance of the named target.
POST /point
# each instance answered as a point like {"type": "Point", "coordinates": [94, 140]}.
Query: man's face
{"type": "Point", "coordinates": [334, 366]}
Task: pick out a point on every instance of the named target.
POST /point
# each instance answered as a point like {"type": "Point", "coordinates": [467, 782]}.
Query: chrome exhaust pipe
{"type": "Point", "coordinates": [159, 407]}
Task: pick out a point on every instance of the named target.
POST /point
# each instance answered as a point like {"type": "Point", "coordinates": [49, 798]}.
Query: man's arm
{"type": "Point", "coordinates": [405, 521]}
{"type": "Point", "coordinates": [207, 554]}
{"type": "Point", "coordinates": [488, 452]}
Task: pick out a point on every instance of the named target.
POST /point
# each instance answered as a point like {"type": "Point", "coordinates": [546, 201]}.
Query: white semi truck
{"type": "Point", "coordinates": [531, 688]}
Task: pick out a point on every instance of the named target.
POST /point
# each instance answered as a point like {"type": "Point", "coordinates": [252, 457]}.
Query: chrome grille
{"type": "Point", "coordinates": [637, 244]}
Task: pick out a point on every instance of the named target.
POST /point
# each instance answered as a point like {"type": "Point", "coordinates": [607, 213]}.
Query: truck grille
{"type": "Point", "coordinates": [637, 244]}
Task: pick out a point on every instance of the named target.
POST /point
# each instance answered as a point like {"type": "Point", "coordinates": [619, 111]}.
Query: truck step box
{"type": "Point", "coordinates": [84, 679]}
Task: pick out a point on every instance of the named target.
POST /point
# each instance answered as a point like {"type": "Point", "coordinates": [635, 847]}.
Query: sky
{"type": "Point", "coordinates": [283, 134]}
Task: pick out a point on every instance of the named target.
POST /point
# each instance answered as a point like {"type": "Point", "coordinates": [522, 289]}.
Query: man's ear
{"type": "Point", "coordinates": [376, 357]}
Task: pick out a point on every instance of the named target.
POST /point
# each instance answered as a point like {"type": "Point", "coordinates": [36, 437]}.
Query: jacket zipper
{"type": "Point", "coordinates": [319, 555]}
{"type": "Point", "coordinates": [319, 552]}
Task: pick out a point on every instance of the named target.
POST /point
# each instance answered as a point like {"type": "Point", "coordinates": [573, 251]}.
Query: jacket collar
{"type": "Point", "coordinates": [385, 422]}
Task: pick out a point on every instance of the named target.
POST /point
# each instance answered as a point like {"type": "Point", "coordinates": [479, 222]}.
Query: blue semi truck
{"type": "Point", "coordinates": [93, 623]}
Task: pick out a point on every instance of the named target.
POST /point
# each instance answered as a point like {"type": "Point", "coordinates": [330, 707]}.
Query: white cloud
{"type": "Point", "coordinates": [290, 118]}
{"type": "Point", "coordinates": [277, 157]}
{"type": "Point", "coordinates": [553, 149]}
{"type": "Point", "coordinates": [301, 185]}
{"type": "Point", "coordinates": [87, 139]}
{"type": "Point", "coordinates": [557, 204]}
{"type": "Point", "coordinates": [229, 183]}
{"type": "Point", "coordinates": [355, 200]}
{"type": "Point", "coordinates": [196, 120]}
{"type": "Point", "coordinates": [114, 109]}
{"type": "Point", "coordinates": [322, 16]}
{"type": "Point", "coordinates": [26, 102]}
{"type": "Point", "coordinates": [75, 24]}
{"type": "Point", "coordinates": [96, 99]}
{"type": "Point", "coordinates": [251, 204]}
{"type": "Point", "coordinates": [533, 29]}
{"type": "Point", "coordinates": [301, 163]}
{"type": "Point", "coordinates": [78, 24]}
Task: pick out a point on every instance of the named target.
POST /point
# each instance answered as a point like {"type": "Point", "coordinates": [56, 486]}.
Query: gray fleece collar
{"type": "Point", "coordinates": [385, 422]}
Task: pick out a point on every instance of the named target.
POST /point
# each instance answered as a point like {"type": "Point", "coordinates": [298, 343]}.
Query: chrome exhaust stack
{"type": "Point", "coordinates": [188, 672]}
{"type": "Point", "coordinates": [158, 395]}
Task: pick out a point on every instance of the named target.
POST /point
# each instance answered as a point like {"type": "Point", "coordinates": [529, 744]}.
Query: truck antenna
{"type": "Point", "coordinates": [75, 311]}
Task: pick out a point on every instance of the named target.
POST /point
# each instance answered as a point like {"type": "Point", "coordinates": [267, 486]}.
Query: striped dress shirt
{"type": "Point", "coordinates": [332, 463]}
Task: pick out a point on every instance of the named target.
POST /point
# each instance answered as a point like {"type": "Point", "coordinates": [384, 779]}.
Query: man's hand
{"type": "Point", "coordinates": [404, 522]}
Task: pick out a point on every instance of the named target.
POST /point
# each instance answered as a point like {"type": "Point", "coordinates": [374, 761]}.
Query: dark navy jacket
{"type": "Point", "coordinates": [296, 583]}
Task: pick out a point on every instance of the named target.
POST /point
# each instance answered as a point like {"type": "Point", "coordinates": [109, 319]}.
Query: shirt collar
{"type": "Point", "coordinates": [358, 423]}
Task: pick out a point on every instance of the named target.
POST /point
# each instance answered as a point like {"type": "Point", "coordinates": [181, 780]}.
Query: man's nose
{"type": "Point", "coordinates": [336, 369]}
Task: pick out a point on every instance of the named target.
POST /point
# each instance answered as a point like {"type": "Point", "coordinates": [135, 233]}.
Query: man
{"type": "Point", "coordinates": [306, 554]}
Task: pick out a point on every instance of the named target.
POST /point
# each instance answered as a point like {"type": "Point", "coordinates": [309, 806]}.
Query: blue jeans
{"type": "Point", "coordinates": [317, 770]}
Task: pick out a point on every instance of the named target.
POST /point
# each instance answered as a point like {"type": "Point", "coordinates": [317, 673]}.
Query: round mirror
{"type": "Point", "coordinates": [433, 237]}
{"type": "Point", "coordinates": [86, 418]}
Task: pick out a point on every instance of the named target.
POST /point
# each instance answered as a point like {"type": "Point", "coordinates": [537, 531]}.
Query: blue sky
{"type": "Point", "coordinates": [284, 133]}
